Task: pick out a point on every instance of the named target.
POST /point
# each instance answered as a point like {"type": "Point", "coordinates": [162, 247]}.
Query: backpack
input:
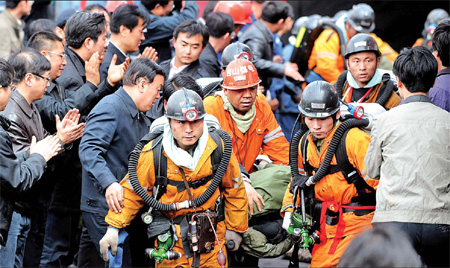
{"type": "Point", "coordinates": [307, 32]}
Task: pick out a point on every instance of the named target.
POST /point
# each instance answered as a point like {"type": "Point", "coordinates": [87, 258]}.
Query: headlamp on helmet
{"type": "Point", "coordinates": [185, 105]}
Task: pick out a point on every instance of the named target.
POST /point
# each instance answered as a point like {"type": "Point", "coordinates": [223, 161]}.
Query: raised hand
{"type": "Point", "coordinates": [149, 53]}
{"type": "Point", "coordinates": [69, 130]}
{"type": "Point", "coordinates": [92, 68]}
{"type": "Point", "coordinates": [116, 72]}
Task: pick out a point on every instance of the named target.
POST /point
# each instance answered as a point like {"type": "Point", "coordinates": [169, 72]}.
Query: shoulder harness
{"type": "Point", "coordinates": [160, 163]}
{"type": "Point", "coordinates": [349, 172]}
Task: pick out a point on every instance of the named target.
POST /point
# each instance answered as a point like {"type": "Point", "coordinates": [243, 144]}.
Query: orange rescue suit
{"type": "Point", "coordinates": [264, 133]}
{"type": "Point", "coordinates": [234, 196]}
{"type": "Point", "coordinates": [334, 190]}
{"type": "Point", "coordinates": [326, 58]}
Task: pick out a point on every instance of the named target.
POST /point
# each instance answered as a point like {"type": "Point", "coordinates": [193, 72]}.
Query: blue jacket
{"type": "Point", "coordinates": [160, 29]}
{"type": "Point", "coordinates": [113, 128]}
{"type": "Point", "coordinates": [440, 92]}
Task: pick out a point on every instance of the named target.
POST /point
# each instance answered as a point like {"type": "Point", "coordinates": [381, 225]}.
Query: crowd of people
{"type": "Point", "coordinates": [154, 136]}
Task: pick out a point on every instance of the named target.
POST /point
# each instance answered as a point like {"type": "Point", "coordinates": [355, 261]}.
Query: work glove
{"type": "Point", "coordinates": [235, 237]}
{"type": "Point", "coordinates": [299, 181]}
{"type": "Point", "coordinates": [286, 220]}
{"type": "Point", "coordinates": [109, 240]}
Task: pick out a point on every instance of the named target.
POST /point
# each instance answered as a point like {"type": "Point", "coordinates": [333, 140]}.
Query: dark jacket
{"type": "Point", "coordinates": [259, 39]}
{"type": "Point", "coordinates": [25, 123]}
{"type": "Point", "coordinates": [67, 170]}
{"type": "Point", "coordinates": [56, 102]}
{"type": "Point", "coordinates": [113, 129]}
{"type": "Point", "coordinates": [194, 69]}
{"type": "Point", "coordinates": [18, 172]}
{"type": "Point", "coordinates": [160, 29]}
{"type": "Point", "coordinates": [110, 51]}
{"type": "Point", "coordinates": [209, 62]}
{"type": "Point", "coordinates": [73, 78]}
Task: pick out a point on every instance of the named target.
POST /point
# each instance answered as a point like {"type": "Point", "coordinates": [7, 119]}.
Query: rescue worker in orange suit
{"type": "Point", "coordinates": [320, 111]}
{"type": "Point", "coordinates": [363, 82]}
{"type": "Point", "coordinates": [188, 146]}
{"type": "Point", "coordinates": [433, 19]}
{"type": "Point", "coordinates": [249, 120]}
{"type": "Point", "coordinates": [326, 62]}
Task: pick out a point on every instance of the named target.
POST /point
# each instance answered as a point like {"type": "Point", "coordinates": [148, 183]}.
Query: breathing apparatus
{"type": "Point", "coordinates": [163, 251]}
{"type": "Point", "coordinates": [320, 100]}
{"type": "Point", "coordinates": [307, 30]}
{"type": "Point", "coordinates": [183, 105]}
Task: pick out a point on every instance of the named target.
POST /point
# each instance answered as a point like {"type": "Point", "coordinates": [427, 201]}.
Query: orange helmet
{"type": "Point", "coordinates": [236, 10]}
{"type": "Point", "coordinates": [240, 74]}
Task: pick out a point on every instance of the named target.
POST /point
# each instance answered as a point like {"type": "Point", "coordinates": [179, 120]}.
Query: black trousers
{"type": "Point", "coordinates": [431, 241]}
{"type": "Point", "coordinates": [133, 249]}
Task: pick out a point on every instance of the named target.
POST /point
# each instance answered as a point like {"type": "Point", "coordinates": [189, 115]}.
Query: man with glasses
{"type": "Point", "coordinates": [113, 128]}
{"type": "Point", "coordinates": [64, 209]}
{"type": "Point", "coordinates": [18, 172]}
{"type": "Point", "coordinates": [220, 28]}
{"type": "Point", "coordinates": [31, 78]}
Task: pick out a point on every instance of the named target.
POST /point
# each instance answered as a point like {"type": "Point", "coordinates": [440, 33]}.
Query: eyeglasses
{"type": "Point", "coordinates": [63, 56]}
{"type": "Point", "coordinates": [40, 76]}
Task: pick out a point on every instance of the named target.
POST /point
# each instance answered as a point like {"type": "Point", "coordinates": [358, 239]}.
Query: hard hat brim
{"type": "Point", "coordinates": [238, 87]}
{"type": "Point", "coordinates": [318, 114]}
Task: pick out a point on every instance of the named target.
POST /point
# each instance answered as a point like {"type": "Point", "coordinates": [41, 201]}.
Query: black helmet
{"type": "Point", "coordinates": [319, 100]}
{"type": "Point", "coordinates": [185, 105]}
{"type": "Point", "coordinates": [235, 51]}
{"type": "Point", "coordinates": [362, 18]}
{"type": "Point", "coordinates": [435, 16]}
{"type": "Point", "coordinates": [361, 42]}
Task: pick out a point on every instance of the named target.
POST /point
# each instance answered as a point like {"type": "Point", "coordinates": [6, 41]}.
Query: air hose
{"type": "Point", "coordinates": [386, 93]}
{"type": "Point", "coordinates": [324, 167]}
{"type": "Point", "coordinates": [293, 152]}
{"type": "Point", "coordinates": [152, 202]}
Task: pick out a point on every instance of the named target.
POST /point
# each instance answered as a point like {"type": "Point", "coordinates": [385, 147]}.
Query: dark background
{"type": "Point", "coordinates": [398, 23]}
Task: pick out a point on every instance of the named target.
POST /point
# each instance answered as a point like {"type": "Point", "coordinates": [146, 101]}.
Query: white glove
{"type": "Point", "coordinates": [235, 237]}
{"type": "Point", "coordinates": [109, 240]}
{"type": "Point", "coordinates": [286, 220]}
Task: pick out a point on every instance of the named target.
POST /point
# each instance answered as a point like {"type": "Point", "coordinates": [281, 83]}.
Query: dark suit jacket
{"type": "Point", "coordinates": [113, 129]}
{"type": "Point", "coordinates": [56, 102]}
{"type": "Point", "coordinates": [73, 78]}
{"type": "Point", "coordinates": [110, 51]}
{"type": "Point", "coordinates": [209, 62]}
{"type": "Point", "coordinates": [194, 69]}
{"type": "Point", "coordinates": [259, 39]}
